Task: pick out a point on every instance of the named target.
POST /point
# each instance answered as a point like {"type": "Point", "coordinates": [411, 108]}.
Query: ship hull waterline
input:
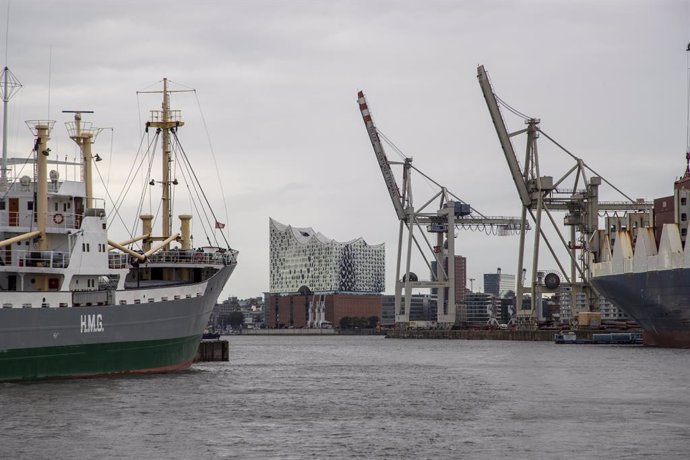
{"type": "Point", "coordinates": [75, 342]}
{"type": "Point", "coordinates": [659, 300]}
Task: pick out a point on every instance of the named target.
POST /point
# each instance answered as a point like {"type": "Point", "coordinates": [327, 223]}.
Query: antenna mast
{"type": "Point", "coordinates": [10, 87]}
{"type": "Point", "coordinates": [687, 121]}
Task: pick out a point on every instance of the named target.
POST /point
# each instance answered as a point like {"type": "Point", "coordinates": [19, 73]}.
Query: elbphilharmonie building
{"type": "Point", "coordinates": [302, 257]}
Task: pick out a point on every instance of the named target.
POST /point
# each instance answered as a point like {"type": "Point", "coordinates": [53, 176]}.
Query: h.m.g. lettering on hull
{"type": "Point", "coordinates": [91, 323]}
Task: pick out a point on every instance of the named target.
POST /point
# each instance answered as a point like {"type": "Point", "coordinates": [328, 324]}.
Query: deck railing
{"type": "Point", "coordinates": [116, 260]}
{"type": "Point", "coordinates": [120, 260]}
{"type": "Point", "coordinates": [64, 220]}
{"type": "Point", "coordinates": [45, 259]}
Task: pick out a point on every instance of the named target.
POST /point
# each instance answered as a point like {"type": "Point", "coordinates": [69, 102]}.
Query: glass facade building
{"type": "Point", "coordinates": [302, 257]}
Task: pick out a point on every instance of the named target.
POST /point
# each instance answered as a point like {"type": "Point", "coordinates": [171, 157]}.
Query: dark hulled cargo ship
{"type": "Point", "coordinates": [646, 271]}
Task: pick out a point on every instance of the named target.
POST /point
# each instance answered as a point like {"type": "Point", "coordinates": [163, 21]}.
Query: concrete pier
{"type": "Point", "coordinates": [212, 350]}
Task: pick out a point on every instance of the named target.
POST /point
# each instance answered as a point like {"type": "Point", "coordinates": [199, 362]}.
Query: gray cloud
{"type": "Point", "coordinates": [276, 82]}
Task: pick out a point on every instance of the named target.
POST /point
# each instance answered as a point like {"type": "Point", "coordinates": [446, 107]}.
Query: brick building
{"type": "Point", "coordinates": [295, 310]}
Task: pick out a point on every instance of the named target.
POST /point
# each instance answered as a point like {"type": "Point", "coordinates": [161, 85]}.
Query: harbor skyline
{"type": "Point", "coordinates": [277, 85]}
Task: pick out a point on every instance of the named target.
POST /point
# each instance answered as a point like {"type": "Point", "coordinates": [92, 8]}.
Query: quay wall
{"type": "Point", "coordinates": [480, 334]}
{"type": "Point", "coordinates": [296, 331]}
{"type": "Point", "coordinates": [459, 334]}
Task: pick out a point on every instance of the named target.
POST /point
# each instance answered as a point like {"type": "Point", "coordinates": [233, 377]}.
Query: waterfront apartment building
{"type": "Point", "coordinates": [422, 308]}
{"type": "Point", "coordinates": [479, 308]}
{"type": "Point", "coordinates": [251, 308]}
{"type": "Point", "coordinates": [610, 312]}
{"type": "Point", "coordinates": [568, 312]}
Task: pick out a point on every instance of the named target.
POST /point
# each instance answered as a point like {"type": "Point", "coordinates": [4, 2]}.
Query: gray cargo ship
{"type": "Point", "coordinates": [74, 303]}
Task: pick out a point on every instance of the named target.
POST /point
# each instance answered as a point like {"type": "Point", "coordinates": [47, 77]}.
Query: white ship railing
{"type": "Point", "coordinates": [175, 257]}
{"type": "Point", "coordinates": [192, 257]}
{"type": "Point", "coordinates": [25, 219]}
{"type": "Point", "coordinates": [43, 259]}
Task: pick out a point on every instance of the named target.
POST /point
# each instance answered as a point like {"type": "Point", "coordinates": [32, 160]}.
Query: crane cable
{"type": "Point", "coordinates": [512, 110]}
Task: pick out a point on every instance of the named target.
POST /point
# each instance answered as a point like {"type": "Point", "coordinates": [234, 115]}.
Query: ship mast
{"type": "Point", "coordinates": [166, 120]}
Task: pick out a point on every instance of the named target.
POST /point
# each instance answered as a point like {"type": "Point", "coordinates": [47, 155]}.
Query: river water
{"type": "Point", "coordinates": [368, 397]}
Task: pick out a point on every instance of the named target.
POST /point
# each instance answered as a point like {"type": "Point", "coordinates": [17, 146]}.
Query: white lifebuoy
{"type": "Point", "coordinates": [58, 218]}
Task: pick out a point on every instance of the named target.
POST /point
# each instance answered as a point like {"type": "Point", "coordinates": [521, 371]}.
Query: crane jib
{"type": "Point", "coordinates": [373, 135]}
{"type": "Point", "coordinates": [388, 176]}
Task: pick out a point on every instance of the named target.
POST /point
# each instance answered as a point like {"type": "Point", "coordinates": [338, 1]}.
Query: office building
{"type": "Point", "coordinates": [499, 284]}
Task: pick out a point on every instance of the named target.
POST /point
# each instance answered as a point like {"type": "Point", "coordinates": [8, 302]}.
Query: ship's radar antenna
{"type": "Point", "coordinates": [10, 87]}
{"type": "Point", "coordinates": [687, 119]}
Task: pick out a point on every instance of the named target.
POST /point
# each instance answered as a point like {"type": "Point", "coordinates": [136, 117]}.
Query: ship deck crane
{"type": "Point", "coordinates": [540, 195]}
{"type": "Point", "coordinates": [452, 213]}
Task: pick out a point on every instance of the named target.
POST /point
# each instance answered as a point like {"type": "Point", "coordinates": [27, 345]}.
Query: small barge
{"type": "Point", "coordinates": [608, 338]}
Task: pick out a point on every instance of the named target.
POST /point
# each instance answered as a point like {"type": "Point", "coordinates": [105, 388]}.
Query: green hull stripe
{"type": "Point", "coordinates": [97, 359]}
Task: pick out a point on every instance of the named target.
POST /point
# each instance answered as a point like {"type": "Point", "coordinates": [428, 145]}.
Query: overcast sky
{"type": "Point", "coordinates": [277, 81]}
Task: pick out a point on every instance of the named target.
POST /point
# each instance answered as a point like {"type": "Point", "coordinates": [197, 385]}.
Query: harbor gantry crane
{"type": "Point", "coordinates": [452, 213]}
{"type": "Point", "coordinates": [540, 195]}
